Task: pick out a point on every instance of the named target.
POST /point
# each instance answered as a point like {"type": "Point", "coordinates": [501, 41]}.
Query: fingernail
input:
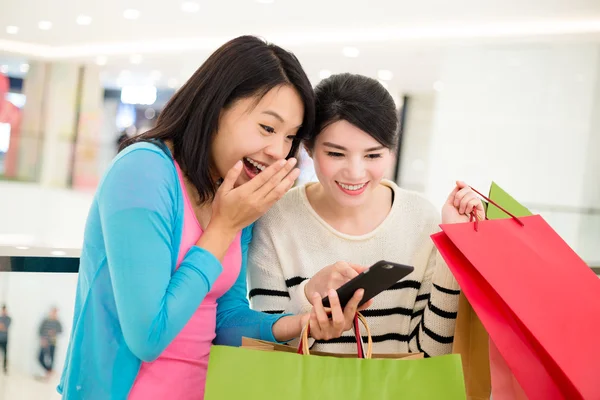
{"type": "Point", "coordinates": [293, 161]}
{"type": "Point", "coordinates": [332, 293]}
{"type": "Point", "coordinates": [361, 292]}
{"type": "Point", "coordinates": [238, 164]}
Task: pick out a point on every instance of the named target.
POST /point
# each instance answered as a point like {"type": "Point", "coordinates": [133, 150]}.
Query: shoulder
{"type": "Point", "coordinates": [414, 203]}
{"type": "Point", "coordinates": [284, 213]}
{"type": "Point", "coordinates": [142, 168]}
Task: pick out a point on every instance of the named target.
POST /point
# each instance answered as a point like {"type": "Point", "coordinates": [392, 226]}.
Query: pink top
{"type": "Point", "coordinates": [180, 371]}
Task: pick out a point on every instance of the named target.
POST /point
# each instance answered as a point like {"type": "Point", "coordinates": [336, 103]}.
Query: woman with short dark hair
{"type": "Point", "coordinates": [324, 233]}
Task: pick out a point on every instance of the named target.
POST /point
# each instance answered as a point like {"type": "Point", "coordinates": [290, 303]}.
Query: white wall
{"type": "Point", "coordinates": [416, 141]}
{"type": "Point", "coordinates": [32, 215]}
{"type": "Point", "coordinates": [29, 297]}
{"type": "Point", "coordinates": [524, 117]}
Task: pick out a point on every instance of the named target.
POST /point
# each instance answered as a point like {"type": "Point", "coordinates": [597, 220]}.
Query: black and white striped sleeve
{"type": "Point", "coordinates": [434, 315]}
{"type": "Point", "coordinates": [270, 292]}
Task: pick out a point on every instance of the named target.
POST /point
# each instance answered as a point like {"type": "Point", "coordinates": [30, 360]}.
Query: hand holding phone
{"type": "Point", "coordinates": [374, 280]}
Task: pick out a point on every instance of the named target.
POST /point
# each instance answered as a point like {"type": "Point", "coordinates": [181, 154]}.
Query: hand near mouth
{"type": "Point", "coordinates": [235, 208]}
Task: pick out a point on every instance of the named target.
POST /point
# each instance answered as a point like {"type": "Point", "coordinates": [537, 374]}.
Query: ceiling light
{"type": "Point", "coordinates": [172, 83]}
{"type": "Point", "coordinates": [155, 75]}
{"type": "Point", "coordinates": [384, 84]}
{"type": "Point", "coordinates": [4, 69]}
{"type": "Point", "coordinates": [58, 253]}
{"type": "Point", "coordinates": [351, 52]}
{"type": "Point", "coordinates": [131, 14]}
{"type": "Point", "coordinates": [385, 75]}
{"type": "Point", "coordinates": [12, 30]}
{"type": "Point", "coordinates": [324, 74]}
{"type": "Point", "coordinates": [135, 59]}
{"type": "Point", "coordinates": [24, 68]}
{"type": "Point", "coordinates": [22, 248]}
{"type": "Point", "coordinates": [84, 20]}
{"type": "Point", "coordinates": [45, 25]}
{"type": "Point", "coordinates": [190, 6]}
{"type": "Point", "coordinates": [149, 113]}
{"type": "Point", "coordinates": [138, 95]}
{"type": "Point", "coordinates": [265, 1]}
{"type": "Point", "coordinates": [438, 86]}
{"type": "Point", "coordinates": [101, 60]}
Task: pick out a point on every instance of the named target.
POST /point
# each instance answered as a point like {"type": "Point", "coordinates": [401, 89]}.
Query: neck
{"type": "Point", "coordinates": [352, 220]}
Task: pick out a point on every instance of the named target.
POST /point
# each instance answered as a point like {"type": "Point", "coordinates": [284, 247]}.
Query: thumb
{"type": "Point", "coordinates": [231, 177]}
{"type": "Point", "coordinates": [358, 268]}
{"type": "Point", "coordinates": [350, 272]}
{"type": "Point", "coordinates": [450, 199]}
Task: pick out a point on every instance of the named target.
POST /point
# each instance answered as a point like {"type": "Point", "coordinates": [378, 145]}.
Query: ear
{"type": "Point", "coordinates": [308, 150]}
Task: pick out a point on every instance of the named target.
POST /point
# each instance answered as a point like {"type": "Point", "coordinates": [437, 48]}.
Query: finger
{"type": "Point", "coordinates": [336, 313]}
{"type": "Point", "coordinates": [231, 177]}
{"type": "Point", "coordinates": [315, 329]}
{"type": "Point", "coordinates": [348, 273]}
{"type": "Point", "coordinates": [275, 179]}
{"type": "Point", "coordinates": [322, 317]}
{"type": "Point", "coordinates": [359, 268]}
{"type": "Point", "coordinates": [282, 187]}
{"type": "Point", "coordinates": [259, 180]}
{"type": "Point", "coordinates": [461, 184]}
{"type": "Point", "coordinates": [366, 305]}
{"type": "Point", "coordinates": [450, 199]}
{"type": "Point", "coordinates": [460, 195]}
{"type": "Point", "coordinates": [352, 306]}
{"type": "Point", "coordinates": [465, 201]}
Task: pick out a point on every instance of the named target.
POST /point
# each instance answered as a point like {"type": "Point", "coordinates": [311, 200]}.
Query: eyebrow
{"type": "Point", "coordinates": [274, 114]}
{"type": "Point", "coordinates": [278, 117]}
{"type": "Point", "coordinates": [337, 146]}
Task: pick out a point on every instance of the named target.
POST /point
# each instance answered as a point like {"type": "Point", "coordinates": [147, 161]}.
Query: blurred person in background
{"type": "Point", "coordinates": [50, 329]}
{"type": "Point", "coordinates": [358, 218]}
{"type": "Point", "coordinates": [163, 264]}
{"type": "Point", "coordinates": [5, 321]}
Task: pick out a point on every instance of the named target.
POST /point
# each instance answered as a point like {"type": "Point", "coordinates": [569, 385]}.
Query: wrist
{"type": "Point", "coordinates": [289, 327]}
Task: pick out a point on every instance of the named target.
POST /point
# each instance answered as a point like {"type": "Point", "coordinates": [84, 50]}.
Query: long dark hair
{"type": "Point", "coordinates": [360, 100]}
{"type": "Point", "coordinates": [242, 68]}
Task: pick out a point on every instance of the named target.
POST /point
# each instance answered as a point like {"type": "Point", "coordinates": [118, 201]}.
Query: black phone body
{"type": "Point", "coordinates": [381, 276]}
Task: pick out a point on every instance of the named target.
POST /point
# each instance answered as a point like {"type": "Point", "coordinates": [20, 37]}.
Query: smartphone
{"type": "Point", "coordinates": [381, 276]}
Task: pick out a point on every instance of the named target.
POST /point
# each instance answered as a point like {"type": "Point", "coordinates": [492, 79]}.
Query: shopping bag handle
{"type": "Point", "coordinates": [474, 213]}
{"type": "Point", "coordinates": [303, 346]}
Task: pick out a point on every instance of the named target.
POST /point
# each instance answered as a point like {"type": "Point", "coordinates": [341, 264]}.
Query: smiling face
{"type": "Point", "coordinates": [349, 163]}
{"type": "Point", "coordinates": [257, 133]}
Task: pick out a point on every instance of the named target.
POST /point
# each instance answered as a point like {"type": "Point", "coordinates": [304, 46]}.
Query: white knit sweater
{"type": "Point", "coordinates": [291, 243]}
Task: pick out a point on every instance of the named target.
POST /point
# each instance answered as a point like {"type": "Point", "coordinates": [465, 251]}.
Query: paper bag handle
{"type": "Point", "coordinates": [475, 217]}
{"type": "Point", "coordinates": [303, 346]}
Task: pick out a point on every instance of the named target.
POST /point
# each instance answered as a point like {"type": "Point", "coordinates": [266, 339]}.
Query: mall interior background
{"type": "Point", "coordinates": [500, 90]}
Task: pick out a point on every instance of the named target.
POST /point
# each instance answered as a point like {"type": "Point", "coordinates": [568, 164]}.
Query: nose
{"type": "Point", "coordinates": [356, 169]}
{"type": "Point", "coordinates": [278, 148]}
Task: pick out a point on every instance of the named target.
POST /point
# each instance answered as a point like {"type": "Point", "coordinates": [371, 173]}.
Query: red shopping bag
{"type": "Point", "coordinates": [539, 302]}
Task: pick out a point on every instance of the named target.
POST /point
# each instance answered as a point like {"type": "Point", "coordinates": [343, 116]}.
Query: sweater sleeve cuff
{"type": "Point", "coordinates": [443, 276]}
{"type": "Point", "coordinates": [204, 262]}
{"type": "Point", "coordinates": [299, 304]}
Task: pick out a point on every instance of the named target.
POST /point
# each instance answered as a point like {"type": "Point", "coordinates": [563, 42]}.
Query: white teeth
{"type": "Point", "coordinates": [257, 165]}
{"type": "Point", "coordinates": [352, 187]}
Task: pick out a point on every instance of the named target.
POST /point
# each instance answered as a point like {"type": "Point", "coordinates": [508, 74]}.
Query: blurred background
{"type": "Point", "coordinates": [500, 90]}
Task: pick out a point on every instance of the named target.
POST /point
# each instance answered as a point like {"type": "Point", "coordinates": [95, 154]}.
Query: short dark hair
{"type": "Point", "coordinates": [244, 67]}
{"type": "Point", "coordinates": [360, 100]}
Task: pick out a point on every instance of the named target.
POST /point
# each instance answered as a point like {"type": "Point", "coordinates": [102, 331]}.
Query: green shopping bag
{"type": "Point", "coordinates": [498, 195]}
{"type": "Point", "coordinates": [250, 374]}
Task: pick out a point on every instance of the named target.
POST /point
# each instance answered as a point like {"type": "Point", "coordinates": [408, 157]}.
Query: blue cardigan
{"type": "Point", "coordinates": [131, 302]}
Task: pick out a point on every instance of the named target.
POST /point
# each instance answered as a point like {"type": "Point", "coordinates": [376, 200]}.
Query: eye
{"type": "Point", "coordinates": [373, 156]}
{"type": "Point", "coordinates": [291, 137]}
{"type": "Point", "coordinates": [334, 154]}
{"type": "Point", "coordinates": [267, 128]}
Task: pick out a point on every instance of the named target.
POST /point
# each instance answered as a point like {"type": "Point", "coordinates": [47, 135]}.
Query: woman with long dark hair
{"type": "Point", "coordinates": [163, 264]}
